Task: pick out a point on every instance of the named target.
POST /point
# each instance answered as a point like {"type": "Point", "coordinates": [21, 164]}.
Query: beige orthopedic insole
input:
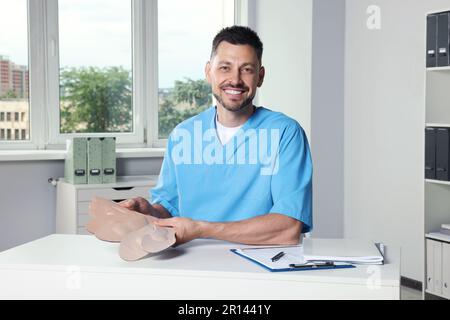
{"type": "Point", "coordinates": [136, 232]}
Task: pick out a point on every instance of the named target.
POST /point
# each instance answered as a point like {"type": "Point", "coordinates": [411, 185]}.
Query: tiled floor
{"type": "Point", "coordinates": [410, 294]}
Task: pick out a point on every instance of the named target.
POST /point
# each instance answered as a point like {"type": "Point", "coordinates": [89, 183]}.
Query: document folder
{"type": "Point", "coordinates": [354, 251]}
{"type": "Point", "coordinates": [292, 259]}
{"type": "Point", "coordinates": [430, 153]}
{"type": "Point", "coordinates": [432, 41]}
{"type": "Point", "coordinates": [442, 154]}
{"type": "Point", "coordinates": [75, 164]}
{"type": "Point", "coordinates": [443, 40]}
{"type": "Point", "coordinates": [94, 151]}
{"type": "Point", "coordinates": [109, 160]}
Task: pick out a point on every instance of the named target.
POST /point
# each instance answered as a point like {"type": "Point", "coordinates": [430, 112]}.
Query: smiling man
{"type": "Point", "coordinates": [217, 179]}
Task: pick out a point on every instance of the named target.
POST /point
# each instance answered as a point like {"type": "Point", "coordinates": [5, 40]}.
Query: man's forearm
{"type": "Point", "coordinates": [270, 229]}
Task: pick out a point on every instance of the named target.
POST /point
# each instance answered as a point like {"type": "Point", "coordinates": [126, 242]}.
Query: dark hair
{"type": "Point", "coordinates": [238, 35]}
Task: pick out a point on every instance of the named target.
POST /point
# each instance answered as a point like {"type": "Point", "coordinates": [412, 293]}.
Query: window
{"type": "Point", "coordinates": [95, 71]}
{"type": "Point", "coordinates": [93, 67]}
{"type": "Point", "coordinates": [16, 134]}
{"type": "Point", "coordinates": [2, 116]}
{"type": "Point", "coordinates": [14, 80]}
{"type": "Point", "coordinates": [184, 47]}
{"type": "Point", "coordinates": [2, 134]}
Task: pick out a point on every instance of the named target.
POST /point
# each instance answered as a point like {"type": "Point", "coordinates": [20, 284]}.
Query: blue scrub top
{"type": "Point", "coordinates": [266, 168]}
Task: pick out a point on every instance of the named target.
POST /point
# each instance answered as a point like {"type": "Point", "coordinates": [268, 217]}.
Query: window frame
{"type": "Point", "coordinates": [132, 139]}
{"type": "Point", "coordinates": [43, 66]}
{"type": "Point", "coordinates": [37, 81]}
{"type": "Point", "coordinates": [239, 12]}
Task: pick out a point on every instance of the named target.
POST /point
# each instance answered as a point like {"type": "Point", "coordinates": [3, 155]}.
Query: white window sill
{"type": "Point", "coordinates": [40, 155]}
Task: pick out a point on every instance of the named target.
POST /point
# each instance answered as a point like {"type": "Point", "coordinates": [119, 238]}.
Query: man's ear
{"type": "Point", "coordinates": [262, 74]}
{"type": "Point", "coordinates": [207, 72]}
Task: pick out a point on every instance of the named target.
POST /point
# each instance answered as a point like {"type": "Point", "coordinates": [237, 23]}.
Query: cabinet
{"type": "Point", "coordinates": [446, 270]}
{"type": "Point", "coordinates": [72, 201]}
{"type": "Point", "coordinates": [437, 266]}
{"type": "Point", "coordinates": [436, 193]}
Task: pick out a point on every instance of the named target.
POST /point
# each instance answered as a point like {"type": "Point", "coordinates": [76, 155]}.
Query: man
{"type": "Point", "coordinates": [245, 201]}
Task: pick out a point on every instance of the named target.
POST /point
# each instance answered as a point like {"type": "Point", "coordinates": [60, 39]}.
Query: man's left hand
{"type": "Point", "coordinates": [185, 229]}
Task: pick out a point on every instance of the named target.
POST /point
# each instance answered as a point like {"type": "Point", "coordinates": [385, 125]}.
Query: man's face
{"type": "Point", "coordinates": [234, 74]}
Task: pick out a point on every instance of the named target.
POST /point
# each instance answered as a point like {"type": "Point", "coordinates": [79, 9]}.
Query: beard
{"type": "Point", "coordinates": [247, 102]}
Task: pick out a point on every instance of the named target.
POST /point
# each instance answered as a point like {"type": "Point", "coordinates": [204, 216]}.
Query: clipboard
{"type": "Point", "coordinates": [293, 259]}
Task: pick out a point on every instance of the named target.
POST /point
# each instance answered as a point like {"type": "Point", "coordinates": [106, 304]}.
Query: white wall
{"type": "Point", "coordinates": [327, 116]}
{"type": "Point", "coordinates": [285, 27]}
{"type": "Point", "coordinates": [306, 82]}
{"type": "Point", "coordinates": [384, 122]}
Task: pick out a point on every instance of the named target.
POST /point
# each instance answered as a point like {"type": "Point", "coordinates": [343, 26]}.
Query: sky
{"type": "Point", "coordinates": [98, 33]}
{"type": "Point", "coordinates": [13, 26]}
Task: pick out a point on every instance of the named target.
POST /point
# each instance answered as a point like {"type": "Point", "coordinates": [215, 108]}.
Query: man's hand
{"type": "Point", "coordinates": [185, 229]}
{"type": "Point", "coordinates": [139, 205]}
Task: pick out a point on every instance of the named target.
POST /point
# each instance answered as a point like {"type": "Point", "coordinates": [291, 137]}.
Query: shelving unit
{"type": "Point", "coordinates": [438, 125]}
{"type": "Point", "coordinates": [445, 183]}
{"type": "Point", "coordinates": [437, 193]}
{"type": "Point", "coordinates": [438, 69]}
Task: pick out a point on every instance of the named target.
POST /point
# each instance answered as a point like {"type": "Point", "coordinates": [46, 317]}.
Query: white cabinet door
{"type": "Point", "coordinates": [430, 266]}
{"type": "Point", "coordinates": [437, 267]}
{"type": "Point", "coordinates": [446, 270]}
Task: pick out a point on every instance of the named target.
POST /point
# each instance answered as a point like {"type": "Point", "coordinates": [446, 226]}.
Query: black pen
{"type": "Point", "coordinates": [312, 265]}
{"type": "Point", "coordinates": [277, 256]}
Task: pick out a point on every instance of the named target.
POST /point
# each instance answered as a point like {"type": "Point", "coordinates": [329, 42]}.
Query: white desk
{"type": "Point", "coordinates": [82, 267]}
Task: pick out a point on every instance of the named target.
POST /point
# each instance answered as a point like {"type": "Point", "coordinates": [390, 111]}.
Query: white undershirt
{"type": "Point", "coordinates": [225, 133]}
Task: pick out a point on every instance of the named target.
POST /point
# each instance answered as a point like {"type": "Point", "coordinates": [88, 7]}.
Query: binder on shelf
{"type": "Point", "coordinates": [109, 160]}
{"type": "Point", "coordinates": [442, 154]}
{"type": "Point", "coordinates": [443, 40]}
{"type": "Point", "coordinates": [430, 153]}
{"type": "Point", "coordinates": [75, 164]}
{"type": "Point", "coordinates": [432, 22]}
{"type": "Point", "coordinates": [94, 160]}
